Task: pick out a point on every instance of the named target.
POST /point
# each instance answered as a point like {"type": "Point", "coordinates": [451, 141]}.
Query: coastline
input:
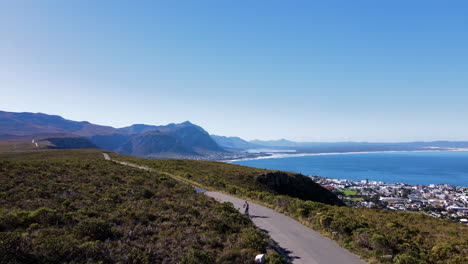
{"type": "Point", "coordinates": [284, 155]}
{"type": "Point", "coordinates": [289, 155]}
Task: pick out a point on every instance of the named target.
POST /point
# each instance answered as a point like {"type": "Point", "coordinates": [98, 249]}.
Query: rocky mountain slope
{"type": "Point", "coordinates": [173, 140]}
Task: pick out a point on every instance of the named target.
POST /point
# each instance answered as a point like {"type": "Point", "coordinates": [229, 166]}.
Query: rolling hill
{"type": "Point", "coordinates": [236, 179]}
{"type": "Point", "coordinates": [72, 206]}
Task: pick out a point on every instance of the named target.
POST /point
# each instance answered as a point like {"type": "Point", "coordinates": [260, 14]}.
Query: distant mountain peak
{"type": "Point", "coordinates": [25, 123]}
{"type": "Point", "coordinates": [234, 143]}
{"type": "Point", "coordinates": [138, 139]}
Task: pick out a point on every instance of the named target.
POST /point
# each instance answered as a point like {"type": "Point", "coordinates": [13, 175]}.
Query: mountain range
{"type": "Point", "coordinates": [287, 146]}
{"type": "Point", "coordinates": [184, 140]}
{"type": "Point", "coordinates": [234, 143]}
{"type": "Point", "coordinates": [172, 140]}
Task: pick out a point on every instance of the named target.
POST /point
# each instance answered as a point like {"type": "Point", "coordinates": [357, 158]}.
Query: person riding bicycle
{"type": "Point", "coordinates": [246, 206]}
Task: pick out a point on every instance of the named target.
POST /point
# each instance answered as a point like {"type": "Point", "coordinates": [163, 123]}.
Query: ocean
{"type": "Point", "coordinates": [418, 168]}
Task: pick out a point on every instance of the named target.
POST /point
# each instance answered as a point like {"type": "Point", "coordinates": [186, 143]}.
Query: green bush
{"type": "Point", "coordinates": [23, 219]}
{"type": "Point", "coordinates": [275, 258]}
{"type": "Point", "coordinates": [195, 256]}
{"type": "Point", "coordinates": [405, 259]}
{"type": "Point", "coordinates": [253, 238]}
{"type": "Point", "coordinates": [45, 216]}
{"type": "Point", "coordinates": [137, 256]}
{"type": "Point", "coordinates": [14, 249]}
{"type": "Point", "coordinates": [95, 229]}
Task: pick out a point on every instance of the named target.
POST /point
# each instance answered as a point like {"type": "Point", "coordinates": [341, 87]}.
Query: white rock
{"type": "Point", "coordinates": [260, 258]}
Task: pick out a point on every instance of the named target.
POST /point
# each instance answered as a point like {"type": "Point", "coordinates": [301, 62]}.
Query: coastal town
{"type": "Point", "coordinates": [441, 201]}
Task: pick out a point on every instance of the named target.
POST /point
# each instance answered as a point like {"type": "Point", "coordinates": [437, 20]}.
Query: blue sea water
{"type": "Point", "coordinates": [421, 168]}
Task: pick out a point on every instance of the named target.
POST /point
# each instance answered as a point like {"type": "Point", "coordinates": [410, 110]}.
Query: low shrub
{"type": "Point", "coordinates": [95, 229]}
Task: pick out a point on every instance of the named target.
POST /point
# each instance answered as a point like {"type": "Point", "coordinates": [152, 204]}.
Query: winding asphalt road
{"type": "Point", "coordinates": [300, 243]}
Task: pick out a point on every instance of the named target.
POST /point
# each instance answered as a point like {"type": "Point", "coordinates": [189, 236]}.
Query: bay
{"type": "Point", "coordinates": [418, 168]}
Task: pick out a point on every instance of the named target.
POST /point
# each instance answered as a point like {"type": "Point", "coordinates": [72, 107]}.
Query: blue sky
{"type": "Point", "coordinates": [303, 70]}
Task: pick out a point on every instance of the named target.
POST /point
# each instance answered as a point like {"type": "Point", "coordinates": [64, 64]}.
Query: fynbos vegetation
{"type": "Point", "coordinates": [241, 180]}
{"type": "Point", "coordinates": [380, 236]}
{"type": "Point", "coordinates": [74, 207]}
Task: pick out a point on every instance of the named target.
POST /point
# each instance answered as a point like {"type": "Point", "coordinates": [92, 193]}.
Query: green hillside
{"type": "Point", "coordinates": [241, 180]}
{"type": "Point", "coordinates": [12, 146]}
{"type": "Point", "coordinates": [380, 236]}
{"type": "Point", "coordinates": [72, 206]}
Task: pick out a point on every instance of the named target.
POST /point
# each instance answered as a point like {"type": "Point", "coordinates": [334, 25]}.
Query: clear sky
{"type": "Point", "coordinates": [302, 70]}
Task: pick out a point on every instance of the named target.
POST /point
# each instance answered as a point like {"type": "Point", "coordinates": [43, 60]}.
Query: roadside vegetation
{"type": "Point", "coordinates": [72, 206]}
{"type": "Point", "coordinates": [379, 236]}
{"type": "Point", "coordinates": [240, 180]}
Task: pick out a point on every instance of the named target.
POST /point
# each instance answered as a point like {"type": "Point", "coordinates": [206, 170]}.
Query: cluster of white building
{"type": "Point", "coordinates": [443, 201]}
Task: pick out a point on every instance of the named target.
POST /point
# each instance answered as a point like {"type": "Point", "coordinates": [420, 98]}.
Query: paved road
{"type": "Point", "coordinates": [302, 244]}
